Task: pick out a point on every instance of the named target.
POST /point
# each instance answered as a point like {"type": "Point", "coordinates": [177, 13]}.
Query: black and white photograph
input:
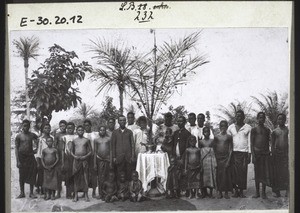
{"type": "Point", "coordinates": [150, 119]}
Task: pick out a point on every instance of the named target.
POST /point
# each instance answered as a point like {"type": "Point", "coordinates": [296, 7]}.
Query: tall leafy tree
{"type": "Point", "coordinates": [157, 75]}
{"type": "Point", "coordinates": [27, 48]}
{"type": "Point", "coordinates": [109, 110]}
{"type": "Point", "coordinates": [272, 104]}
{"type": "Point", "coordinates": [115, 64]}
{"type": "Point", "coordinates": [52, 85]}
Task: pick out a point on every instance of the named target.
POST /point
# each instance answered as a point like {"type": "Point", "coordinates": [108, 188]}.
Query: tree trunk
{"type": "Point", "coordinates": [26, 89]}
{"type": "Point", "coordinates": [121, 91]}
{"type": "Point", "coordinates": [151, 135]}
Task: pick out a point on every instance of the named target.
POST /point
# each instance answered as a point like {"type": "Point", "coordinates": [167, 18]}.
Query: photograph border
{"type": "Point", "coordinates": [281, 16]}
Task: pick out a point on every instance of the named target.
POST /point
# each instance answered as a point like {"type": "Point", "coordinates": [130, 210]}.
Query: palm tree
{"type": "Point", "coordinates": [85, 110]}
{"type": "Point", "coordinates": [27, 48]}
{"type": "Point", "coordinates": [160, 73]}
{"type": "Point", "coordinates": [115, 64]}
{"type": "Point", "coordinates": [228, 113]}
{"type": "Point", "coordinates": [272, 104]}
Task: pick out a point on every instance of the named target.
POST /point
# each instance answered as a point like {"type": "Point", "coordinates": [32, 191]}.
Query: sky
{"type": "Point", "coordinates": [243, 62]}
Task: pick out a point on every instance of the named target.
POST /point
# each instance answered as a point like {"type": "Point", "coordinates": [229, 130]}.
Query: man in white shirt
{"type": "Point", "coordinates": [130, 122]}
{"type": "Point", "coordinates": [241, 155]}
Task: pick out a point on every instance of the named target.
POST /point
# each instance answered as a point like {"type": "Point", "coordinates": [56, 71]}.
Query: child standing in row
{"type": "Point", "coordinates": [172, 179]}
{"type": "Point", "coordinates": [49, 161]}
{"type": "Point", "coordinates": [209, 163]}
{"type": "Point", "coordinates": [102, 157]}
{"type": "Point", "coordinates": [67, 159]}
{"type": "Point", "coordinates": [89, 134]}
{"type": "Point", "coordinates": [41, 146]}
{"type": "Point", "coordinates": [58, 143]}
{"type": "Point", "coordinates": [193, 166]}
{"type": "Point", "coordinates": [260, 143]}
{"type": "Point", "coordinates": [280, 150]}
{"type": "Point", "coordinates": [81, 150]}
{"type": "Point", "coordinates": [223, 150]}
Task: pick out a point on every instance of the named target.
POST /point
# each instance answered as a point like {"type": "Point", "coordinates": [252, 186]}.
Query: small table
{"type": "Point", "coordinates": [152, 165]}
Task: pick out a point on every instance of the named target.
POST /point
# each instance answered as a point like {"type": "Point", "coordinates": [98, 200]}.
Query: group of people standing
{"type": "Point", "coordinates": [107, 159]}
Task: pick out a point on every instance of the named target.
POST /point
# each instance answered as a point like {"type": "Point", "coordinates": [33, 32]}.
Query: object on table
{"type": "Point", "coordinates": [150, 148]}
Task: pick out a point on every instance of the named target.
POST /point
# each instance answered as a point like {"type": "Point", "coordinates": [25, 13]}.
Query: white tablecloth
{"type": "Point", "coordinates": [152, 165]}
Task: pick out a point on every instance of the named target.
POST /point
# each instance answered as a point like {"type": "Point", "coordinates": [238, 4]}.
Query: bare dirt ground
{"type": "Point", "coordinates": [157, 204]}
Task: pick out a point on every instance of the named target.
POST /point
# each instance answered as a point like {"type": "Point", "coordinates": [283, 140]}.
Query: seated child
{"type": "Point", "coordinates": [49, 160]}
{"type": "Point", "coordinates": [172, 180]}
{"type": "Point", "coordinates": [123, 187]}
{"type": "Point", "coordinates": [167, 145]}
{"type": "Point", "coordinates": [135, 188]}
{"type": "Point", "coordinates": [193, 166]}
{"type": "Point", "coordinates": [109, 188]}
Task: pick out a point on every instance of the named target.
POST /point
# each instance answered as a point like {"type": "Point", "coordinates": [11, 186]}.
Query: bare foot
{"type": "Point", "coordinates": [192, 196]}
{"type": "Point", "coordinates": [242, 195]}
{"type": "Point", "coordinates": [22, 195]}
{"type": "Point", "coordinates": [277, 194]}
{"type": "Point", "coordinates": [220, 196]}
{"type": "Point", "coordinates": [32, 196]}
{"type": "Point", "coordinates": [57, 196]}
{"type": "Point", "coordinates": [226, 196]}
{"type": "Point", "coordinates": [236, 194]}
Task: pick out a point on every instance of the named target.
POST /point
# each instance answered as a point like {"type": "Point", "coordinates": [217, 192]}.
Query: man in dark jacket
{"type": "Point", "coordinates": [180, 138]}
{"type": "Point", "coordinates": [123, 148]}
{"type": "Point", "coordinates": [180, 143]}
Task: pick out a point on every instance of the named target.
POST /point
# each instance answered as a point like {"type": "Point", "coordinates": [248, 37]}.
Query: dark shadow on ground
{"type": "Point", "coordinates": [149, 205]}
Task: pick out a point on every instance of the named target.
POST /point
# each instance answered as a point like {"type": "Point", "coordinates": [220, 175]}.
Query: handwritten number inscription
{"type": "Point", "coordinates": [42, 20]}
{"type": "Point", "coordinates": [144, 12]}
{"type": "Point", "coordinates": [76, 19]}
{"type": "Point", "coordinates": [144, 17]}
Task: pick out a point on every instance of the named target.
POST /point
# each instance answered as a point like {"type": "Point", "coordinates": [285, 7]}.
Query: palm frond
{"type": "Point", "coordinates": [27, 47]}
